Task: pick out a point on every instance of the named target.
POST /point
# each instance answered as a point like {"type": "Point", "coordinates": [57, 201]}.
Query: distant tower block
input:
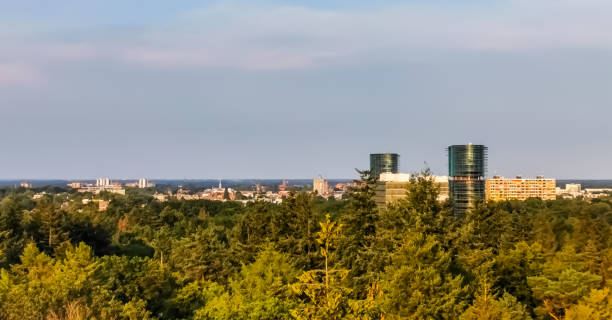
{"type": "Point", "coordinates": [467, 168]}
{"type": "Point", "coordinates": [103, 182]}
{"type": "Point", "coordinates": [143, 183]}
{"type": "Point", "coordinates": [319, 185]}
{"type": "Point", "coordinates": [384, 162]}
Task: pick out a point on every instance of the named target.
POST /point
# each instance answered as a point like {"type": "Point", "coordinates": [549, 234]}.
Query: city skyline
{"type": "Point", "coordinates": [293, 88]}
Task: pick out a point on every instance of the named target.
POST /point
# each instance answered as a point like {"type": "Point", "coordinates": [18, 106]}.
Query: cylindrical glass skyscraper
{"type": "Point", "coordinates": [384, 162]}
{"type": "Point", "coordinates": [467, 169]}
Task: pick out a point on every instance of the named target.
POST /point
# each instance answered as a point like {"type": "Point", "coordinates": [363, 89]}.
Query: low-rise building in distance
{"type": "Point", "coordinates": [25, 184]}
{"type": "Point", "coordinates": [75, 185]}
{"type": "Point", "coordinates": [575, 190]}
{"type": "Point", "coordinates": [501, 189]}
{"type": "Point", "coordinates": [102, 184]}
{"type": "Point", "coordinates": [160, 197]}
{"type": "Point", "coordinates": [572, 190]}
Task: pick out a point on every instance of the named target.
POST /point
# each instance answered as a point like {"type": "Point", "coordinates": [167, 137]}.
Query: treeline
{"type": "Point", "coordinates": [307, 258]}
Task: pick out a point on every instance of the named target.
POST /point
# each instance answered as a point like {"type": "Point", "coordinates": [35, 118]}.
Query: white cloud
{"type": "Point", "coordinates": [282, 37]}
{"type": "Point", "coordinates": [253, 36]}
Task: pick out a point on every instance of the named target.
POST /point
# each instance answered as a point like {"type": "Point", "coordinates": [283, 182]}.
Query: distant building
{"type": "Point", "coordinates": [26, 185]}
{"type": "Point", "coordinates": [573, 188]}
{"type": "Point", "coordinates": [284, 186]}
{"type": "Point", "coordinates": [394, 177]}
{"type": "Point", "coordinates": [320, 186]}
{"type": "Point", "coordinates": [144, 183]}
{"type": "Point", "coordinates": [103, 182]}
{"type": "Point", "coordinates": [501, 189]}
{"type": "Point", "coordinates": [39, 195]}
{"type": "Point", "coordinates": [384, 162]}
{"type": "Point", "coordinates": [592, 193]}
{"type": "Point", "coordinates": [220, 193]}
{"type": "Point", "coordinates": [97, 190]}
{"type": "Point", "coordinates": [392, 187]}
{"type": "Point", "coordinates": [467, 168]}
{"type": "Point", "coordinates": [389, 192]}
{"type": "Point", "coordinates": [443, 184]}
{"type": "Point", "coordinates": [74, 185]}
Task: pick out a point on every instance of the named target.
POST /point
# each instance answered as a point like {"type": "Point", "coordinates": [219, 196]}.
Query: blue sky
{"type": "Point", "coordinates": [275, 89]}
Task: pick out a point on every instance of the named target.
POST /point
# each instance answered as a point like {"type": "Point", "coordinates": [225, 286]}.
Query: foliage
{"type": "Point", "coordinates": [62, 258]}
{"type": "Point", "coordinates": [419, 284]}
{"type": "Point", "coordinates": [323, 291]}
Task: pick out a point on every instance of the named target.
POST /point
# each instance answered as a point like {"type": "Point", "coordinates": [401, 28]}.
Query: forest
{"type": "Point", "coordinates": [307, 258]}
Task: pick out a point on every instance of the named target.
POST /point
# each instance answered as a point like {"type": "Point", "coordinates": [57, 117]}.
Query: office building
{"type": "Point", "coordinates": [320, 186]}
{"type": "Point", "coordinates": [502, 189]}
{"type": "Point", "coordinates": [467, 168]}
{"type": "Point", "coordinates": [392, 187]}
{"type": "Point", "coordinates": [384, 162]}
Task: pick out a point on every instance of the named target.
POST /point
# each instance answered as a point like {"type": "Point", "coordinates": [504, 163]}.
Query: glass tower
{"type": "Point", "coordinates": [384, 162]}
{"type": "Point", "coordinates": [467, 168]}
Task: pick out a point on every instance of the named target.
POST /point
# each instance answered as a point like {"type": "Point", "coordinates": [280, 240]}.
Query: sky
{"type": "Point", "coordinates": [297, 89]}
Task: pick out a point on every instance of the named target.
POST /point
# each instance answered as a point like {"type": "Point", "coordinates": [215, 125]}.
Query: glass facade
{"type": "Point", "coordinates": [467, 168]}
{"type": "Point", "coordinates": [384, 162]}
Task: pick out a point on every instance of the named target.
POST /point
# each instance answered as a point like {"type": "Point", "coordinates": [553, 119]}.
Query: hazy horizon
{"type": "Point", "coordinates": [301, 88]}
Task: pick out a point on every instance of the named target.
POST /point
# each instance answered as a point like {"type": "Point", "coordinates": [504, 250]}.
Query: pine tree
{"type": "Point", "coordinates": [323, 290]}
{"type": "Point", "coordinates": [359, 232]}
{"type": "Point", "coordinates": [486, 306]}
{"type": "Point", "coordinates": [596, 306]}
{"type": "Point", "coordinates": [419, 284]}
{"type": "Point", "coordinates": [50, 220]}
{"type": "Point", "coordinates": [295, 229]}
{"type": "Point", "coordinates": [559, 290]}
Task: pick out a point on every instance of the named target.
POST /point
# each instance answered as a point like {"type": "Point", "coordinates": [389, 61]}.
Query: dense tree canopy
{"type": "Point", "coordinates": [307, 258]}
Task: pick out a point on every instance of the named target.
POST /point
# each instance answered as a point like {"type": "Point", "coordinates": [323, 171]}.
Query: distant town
{"type": "Point", "coordinates": [465, 184]}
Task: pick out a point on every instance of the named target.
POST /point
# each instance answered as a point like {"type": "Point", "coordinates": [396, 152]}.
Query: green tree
{"type": "Point", "coordinates": [11, 243]}
{"type": "Point", "coordinates": [260, 291]}
{"type": "Point", "coordinates": [252, 230]}
{"type": "Point", "coordinates": [295, 229]}
{"type": "Point", "coordinates": [557, 290]}
{"type": "Point", "coordinates": [45, 223]}
{"type": "Point", "coordinates": [486, 306]}
{"type": "Point", "coordinates": [419, 284]}
{"type": "Point", "coordinates": [596, 306]}
{"type": "Point", "coordinates": [323, 292]}
{"type": "Point", "coordinates": [201, 255]}
{"type": "Point", "coordinates": [359, 232]}
{"type": "Point", "coordinates": [513, 267]}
